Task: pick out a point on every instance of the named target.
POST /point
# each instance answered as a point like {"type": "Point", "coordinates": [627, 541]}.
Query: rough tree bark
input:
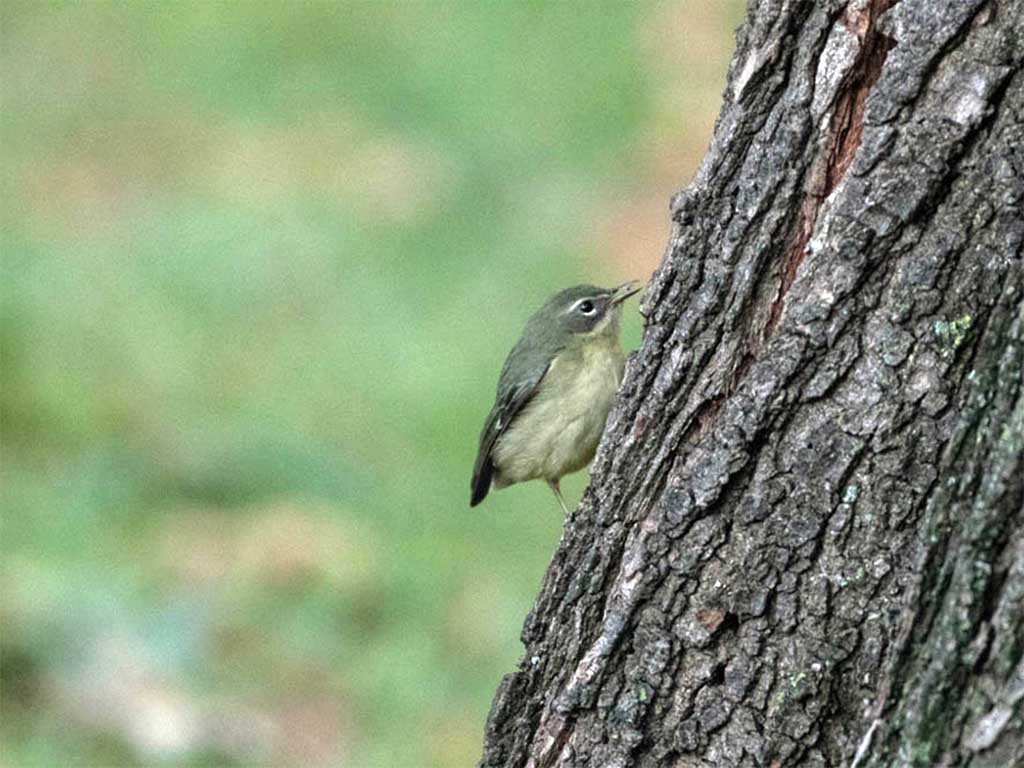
{"type": "Point", "coordinates": [803, 541]}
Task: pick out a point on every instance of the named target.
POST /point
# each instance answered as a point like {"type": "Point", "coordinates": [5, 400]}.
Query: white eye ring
{"type": "Point", "coordinates": [587, 307]}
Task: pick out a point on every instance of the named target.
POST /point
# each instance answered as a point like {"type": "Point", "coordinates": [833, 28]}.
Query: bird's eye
{"type": "Point", "coordinates": [587, 307]}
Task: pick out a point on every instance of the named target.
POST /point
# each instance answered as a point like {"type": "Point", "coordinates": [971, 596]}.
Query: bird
{"type": "Point", "coordinates": [554, 392]}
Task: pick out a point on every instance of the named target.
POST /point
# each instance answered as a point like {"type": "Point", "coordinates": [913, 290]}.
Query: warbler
{"type": "Point", "coordinates": [554, 392]}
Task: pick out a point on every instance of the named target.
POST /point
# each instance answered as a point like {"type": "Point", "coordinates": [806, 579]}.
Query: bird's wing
{"type": "Point", "coordinates": [504, 412]}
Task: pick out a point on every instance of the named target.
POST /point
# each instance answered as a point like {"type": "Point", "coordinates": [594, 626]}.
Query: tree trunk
{"type": "Point", "coordinates": [803, 541]}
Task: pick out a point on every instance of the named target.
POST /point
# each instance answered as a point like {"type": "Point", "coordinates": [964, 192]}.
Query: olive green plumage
{"type": "Point", "coordinates": [554, 393]}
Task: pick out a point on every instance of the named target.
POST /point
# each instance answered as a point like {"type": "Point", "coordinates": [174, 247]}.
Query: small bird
{"type": "Point", "coordinates": [554, 393]}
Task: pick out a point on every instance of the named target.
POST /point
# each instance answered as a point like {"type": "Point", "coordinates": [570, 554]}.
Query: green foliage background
{"type": "Point", "coordinates": [261, 264]}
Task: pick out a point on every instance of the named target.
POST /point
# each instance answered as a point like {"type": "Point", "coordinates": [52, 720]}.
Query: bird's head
{"type": "Point", "coordinates": [585, 312]}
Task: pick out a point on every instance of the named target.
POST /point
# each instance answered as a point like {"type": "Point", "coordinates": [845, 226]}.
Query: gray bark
{"type": "Point", "coordinates": [803, 541]}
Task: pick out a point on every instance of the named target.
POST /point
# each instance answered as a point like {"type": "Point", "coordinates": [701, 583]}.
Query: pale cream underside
{"type": "Point", "coordinates": [558, 430]}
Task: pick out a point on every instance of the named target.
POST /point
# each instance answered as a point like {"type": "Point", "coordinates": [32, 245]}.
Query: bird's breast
{"type": "Point", "coordinates": [559, 429]}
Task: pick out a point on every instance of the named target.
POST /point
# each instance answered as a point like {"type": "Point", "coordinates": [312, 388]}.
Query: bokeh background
{"type": "Point", "coordinates": [261, 264]}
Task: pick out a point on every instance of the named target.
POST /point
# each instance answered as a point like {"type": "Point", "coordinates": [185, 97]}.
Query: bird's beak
{"type": "Point", "coordinates": [626, 290]}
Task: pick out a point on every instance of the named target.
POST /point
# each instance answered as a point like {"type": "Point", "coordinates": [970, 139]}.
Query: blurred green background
{"type": "Point", "coordinates": [262, 262]}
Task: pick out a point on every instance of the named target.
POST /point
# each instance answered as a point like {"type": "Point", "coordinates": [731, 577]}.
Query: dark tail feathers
{"type": "Point", "coordinates": [481, 482]}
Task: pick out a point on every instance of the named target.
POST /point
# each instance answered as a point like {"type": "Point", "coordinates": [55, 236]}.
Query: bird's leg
{"type": "Point", "coordinates": [553, 485]}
